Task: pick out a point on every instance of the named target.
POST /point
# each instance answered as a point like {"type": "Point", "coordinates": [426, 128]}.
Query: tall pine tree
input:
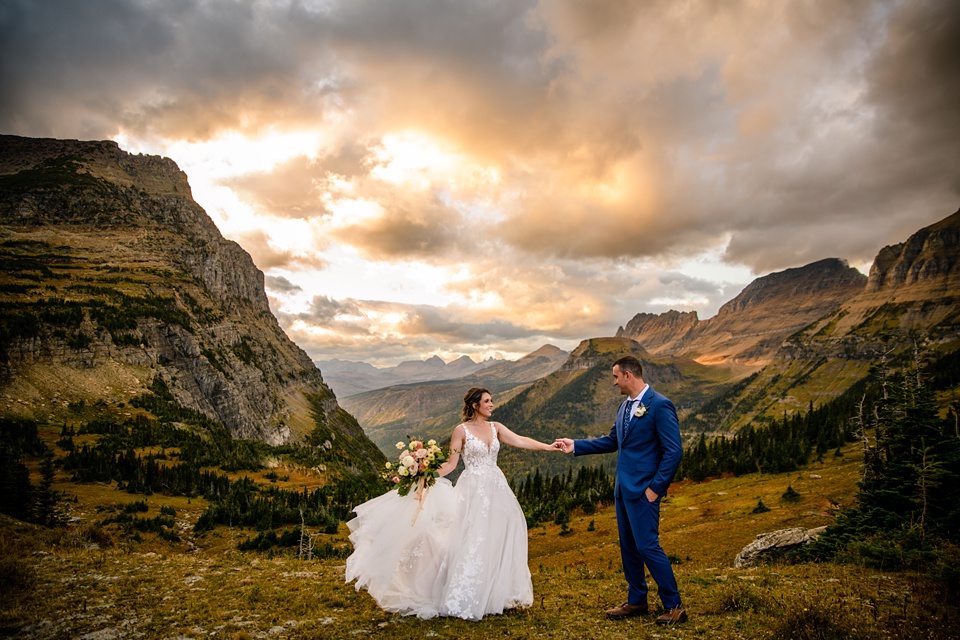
{"type": "Point", "coordinates": [909, 495]}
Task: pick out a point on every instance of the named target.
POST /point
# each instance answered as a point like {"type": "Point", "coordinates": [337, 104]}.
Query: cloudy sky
{"type": "Point", "coordinates": [481, 177]}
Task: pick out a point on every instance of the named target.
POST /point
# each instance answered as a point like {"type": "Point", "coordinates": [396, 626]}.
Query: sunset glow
{"type": "Point", "coordinates": [517, 172]}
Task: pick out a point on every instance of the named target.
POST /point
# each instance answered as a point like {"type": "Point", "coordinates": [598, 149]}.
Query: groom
{"type": "Point", "coordinates": [646, 436]}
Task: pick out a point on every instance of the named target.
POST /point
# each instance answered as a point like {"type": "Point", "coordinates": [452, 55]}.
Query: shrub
{"type": "Point", "coordinates": [760, 508]}
{"type": "Point", "coordinates": [739, 596]}
{"type": "Point", "coordinates": [16, 575]}
{"type": "Point", "coordinates": [804, 620]}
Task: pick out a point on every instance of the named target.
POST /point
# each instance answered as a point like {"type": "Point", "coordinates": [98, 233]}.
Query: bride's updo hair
{"type": "Point", "coordinates": [470, 400]}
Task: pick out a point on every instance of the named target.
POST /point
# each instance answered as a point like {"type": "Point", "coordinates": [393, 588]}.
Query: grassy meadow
{"type": "Point", "coordinates": [95, 582]}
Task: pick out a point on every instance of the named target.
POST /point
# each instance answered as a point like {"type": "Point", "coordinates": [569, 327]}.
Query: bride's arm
{"type": "Point", "coordinates": [523, 442]}
{"type": "Point", "coordinates": [456, 446]}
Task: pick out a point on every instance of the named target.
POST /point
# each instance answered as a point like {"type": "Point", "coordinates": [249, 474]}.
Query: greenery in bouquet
{"type": "Point", "coordinates": [417, 465]}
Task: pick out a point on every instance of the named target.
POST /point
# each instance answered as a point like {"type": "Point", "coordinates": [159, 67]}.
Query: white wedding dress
{"type": "Point", "coordinates": [461, 553]}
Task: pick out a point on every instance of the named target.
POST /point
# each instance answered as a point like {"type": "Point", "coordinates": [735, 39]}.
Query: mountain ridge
{"type": "Point", "coordinates": [912, 301]}
{"type": "Point", "coordinates": [749, 329]}
{"type": "Point", "coordinates": [114, 276]}
{"type": "Point", "coordinates": [349, 378]}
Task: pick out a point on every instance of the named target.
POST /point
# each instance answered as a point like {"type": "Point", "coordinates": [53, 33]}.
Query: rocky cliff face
{"type": "Point", "coordinates": [913, 293]}
{"type": "Point", "coordinates": [74, 185]}
{"type": "Point", "coordinates": [927, 263]}
{"type": "Point", "coordinates": [113, 275]}
{"type": "Point", "coordinates": [660, 333]}
{"type": "Point", "coordinates": [750, 328]}
{"type": "Point", "coordinates": [912, 299]}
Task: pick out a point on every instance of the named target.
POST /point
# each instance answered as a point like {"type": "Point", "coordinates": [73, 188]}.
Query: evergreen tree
{"type": "Point", "coordinates": [909, 493]}
{"type": "Point", "coordinates": [47, 500]}
{"type": "Point", "coordinates": [16, 492]}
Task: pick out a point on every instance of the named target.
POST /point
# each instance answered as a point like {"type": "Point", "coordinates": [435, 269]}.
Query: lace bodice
{"type": "Point", "coordinates": [476, 453]}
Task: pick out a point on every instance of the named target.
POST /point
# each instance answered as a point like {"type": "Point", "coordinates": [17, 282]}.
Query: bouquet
{"type": "Point", "coordinates": [417, 465]}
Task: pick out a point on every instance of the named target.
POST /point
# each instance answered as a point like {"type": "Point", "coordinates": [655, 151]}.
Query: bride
{"type": "Point", "coordinates": [456, 551]}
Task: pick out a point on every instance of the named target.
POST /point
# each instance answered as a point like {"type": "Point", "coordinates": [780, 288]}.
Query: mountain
{"type": "Point", "coordinates": [911, 299]}
{"type": "Point", "coordinates": [348, 378]}
{"type": "Point", "coordinates": [532, 366]}
{"type": "Point", "coordinates": [749, 329]}
{"type": "Point", "coordinates": [113, 278]}
{"type": "Point", "coordinates": [926, 266]}
{"type": "Point", "coordinates": [432, 409]}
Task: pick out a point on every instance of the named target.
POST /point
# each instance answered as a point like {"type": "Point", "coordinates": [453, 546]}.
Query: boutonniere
{"type": "Point", "coordinates": [640, 411]}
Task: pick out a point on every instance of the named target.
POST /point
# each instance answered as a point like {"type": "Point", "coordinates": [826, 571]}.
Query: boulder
{"type": "Point", "coordinates": [776, 545]}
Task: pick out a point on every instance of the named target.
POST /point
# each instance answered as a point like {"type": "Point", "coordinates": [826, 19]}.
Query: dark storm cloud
{"type": "Point", "coordinates": [188, 68]}
{"type": "Point", "coordinates": [324, 310]}
{"type": "Point", "coordinates": [439, 322]}
{"type": "Point", "coordinates": [279, 284]}
{"type": "Point", "coordinates": [411, 227]}
{"type": "Point", "coordinates": [177, 68]}
{"type": "Point", "coordinates": [849, 192]}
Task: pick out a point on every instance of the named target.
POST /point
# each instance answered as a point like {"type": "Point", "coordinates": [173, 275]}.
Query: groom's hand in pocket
{"type": "Point", "coordinates": [651, 496]}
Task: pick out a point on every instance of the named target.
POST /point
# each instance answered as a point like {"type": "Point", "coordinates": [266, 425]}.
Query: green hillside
{"type": "Point", "coordinates": [93, 579]}
{"type": "Point", "coordinates": [580, 400]}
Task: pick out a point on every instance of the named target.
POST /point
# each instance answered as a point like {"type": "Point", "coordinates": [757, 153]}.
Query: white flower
{"type": "Point", "coordinates": [431, 443]}
{"type": "Point", "coordinates": [408, 461]}
{"type": "Point", "coordinates": [400, 445]}
{"type": "Point", "coordinates": [640, 411]}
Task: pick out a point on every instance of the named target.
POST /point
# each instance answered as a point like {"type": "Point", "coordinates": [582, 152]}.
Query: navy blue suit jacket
{"type": "Point", "coordinates": [649, 447]}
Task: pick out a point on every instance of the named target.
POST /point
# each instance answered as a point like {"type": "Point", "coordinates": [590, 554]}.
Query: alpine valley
{"type": "Point", "coordinates": [173, 465]}
{"type": "Point", "coordinates": [790, 340]}
{"type": "Point", "coordinates": [114, 278]}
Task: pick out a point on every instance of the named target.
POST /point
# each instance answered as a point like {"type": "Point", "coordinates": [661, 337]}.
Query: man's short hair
{"type": "Point", "coordinates": [629, 364]}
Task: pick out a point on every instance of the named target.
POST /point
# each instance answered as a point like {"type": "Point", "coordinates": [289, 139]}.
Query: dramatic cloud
{"type": "Point", "coordinates": [458, 176]}
{"type": "Point", "coordinates": [279, 284]}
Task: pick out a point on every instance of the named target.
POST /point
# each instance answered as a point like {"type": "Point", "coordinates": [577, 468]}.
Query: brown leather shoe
{"type": "Point", "coordinates": [627, 610]}
{"type": "Point", "coordinates": [673, 616]}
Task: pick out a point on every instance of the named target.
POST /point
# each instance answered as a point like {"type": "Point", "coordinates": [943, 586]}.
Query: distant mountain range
{"type": "Point", "coordinates": [432, 409]}
{"type": "Point", "coordinates": [348, 378]}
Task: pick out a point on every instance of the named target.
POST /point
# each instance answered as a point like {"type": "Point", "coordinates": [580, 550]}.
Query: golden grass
{"type": "Point", "coordinates": [56, 584]}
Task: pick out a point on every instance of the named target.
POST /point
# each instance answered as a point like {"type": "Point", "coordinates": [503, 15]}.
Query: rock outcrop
{"type": "Point", "coordinates": [661, 333]}
{"type": "Point", "coordinates": [113, 276]}
{"type": "Point", "coordinates": [775, 546]}
{"type": "Point", "coordinates": [927, 263]}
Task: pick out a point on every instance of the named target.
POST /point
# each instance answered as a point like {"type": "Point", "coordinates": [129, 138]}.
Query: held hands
{"type": "Point", "coordinates": [564, 444]}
